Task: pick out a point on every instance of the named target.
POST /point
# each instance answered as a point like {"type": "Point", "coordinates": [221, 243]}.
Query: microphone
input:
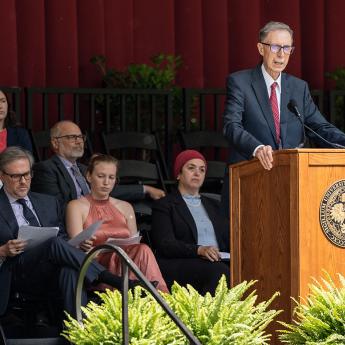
{"type": "Point", "coordinates": [292, 106]}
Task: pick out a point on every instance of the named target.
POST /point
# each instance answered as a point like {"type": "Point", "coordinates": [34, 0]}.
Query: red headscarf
{"type": "Point", "coordinates": [185, 156]}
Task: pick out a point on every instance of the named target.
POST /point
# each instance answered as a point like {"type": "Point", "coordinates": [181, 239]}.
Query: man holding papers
{"type": "Point", "coordinates": [55, 262]}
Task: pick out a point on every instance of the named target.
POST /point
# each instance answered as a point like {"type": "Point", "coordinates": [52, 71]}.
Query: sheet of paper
{"type": "Point", "coordinates": [36, 235]}
{"type": "Point", "coordinates": [124, 241]}
{"type": "Point", "coordinates": [85, 234]}
{"type": "Point", "coordinates": [224, 255]}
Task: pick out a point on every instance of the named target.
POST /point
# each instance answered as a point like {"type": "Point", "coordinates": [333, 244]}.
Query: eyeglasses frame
{"type": "Point", "coordinates": [280, 48]}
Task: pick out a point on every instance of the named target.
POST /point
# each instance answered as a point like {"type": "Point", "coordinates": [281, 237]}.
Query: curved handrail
{"type": "Point", "coordinates": [127, 263]}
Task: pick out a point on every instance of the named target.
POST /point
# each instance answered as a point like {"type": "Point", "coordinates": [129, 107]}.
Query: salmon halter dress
{"type": "Point", "coordinates": [115, 226]}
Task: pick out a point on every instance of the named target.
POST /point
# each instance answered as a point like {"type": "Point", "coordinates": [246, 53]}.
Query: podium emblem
{"type": "Point", "coordinates": [332, 213]}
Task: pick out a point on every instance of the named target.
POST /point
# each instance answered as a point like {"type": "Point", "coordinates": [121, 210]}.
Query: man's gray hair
{"type": "Point", "coordinates": [273, 26]}
{"type": "Point", "coordinates": [14, 153]}
{"type": "Point", "coordinates": [55, 131]}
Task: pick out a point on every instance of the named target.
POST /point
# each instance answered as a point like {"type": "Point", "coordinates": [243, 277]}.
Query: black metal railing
{"type": "Point", "coordinates": [127, 263]}
{"type": "Point", "coordinates": [202, 109]}
{"type": "Point", "coordinates": [104, 109]}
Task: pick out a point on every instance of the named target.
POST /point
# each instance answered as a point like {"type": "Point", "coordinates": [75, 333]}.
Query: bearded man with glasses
{"type": "Point", "coordinates": [267, 109]}
{"type": "Point", "coordinates": [64, 177]}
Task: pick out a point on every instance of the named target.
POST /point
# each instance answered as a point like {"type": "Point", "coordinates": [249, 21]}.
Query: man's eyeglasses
{"type": "Point", "coordinates": [73, 137]}
{"type": "Point", "coordinates": [18, 177]}
{"type": "Point", "coordinates": [276, 48]}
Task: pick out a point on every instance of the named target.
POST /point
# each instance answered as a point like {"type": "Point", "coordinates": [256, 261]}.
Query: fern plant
{"type": "Point", "coordinates": [320, 319]}
{"type": "Point", "coordinates": [148, 324]}
{"type": "Point", "coordinates": [226, 318]}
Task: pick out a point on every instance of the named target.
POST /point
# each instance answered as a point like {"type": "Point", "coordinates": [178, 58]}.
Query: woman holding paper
{"type": "Point", "coordinates": [118, 221]}
{"type": "Point", "coordinates": [188, 231]}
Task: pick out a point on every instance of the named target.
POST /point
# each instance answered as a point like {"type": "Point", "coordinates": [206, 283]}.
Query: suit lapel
{"type": "Point", "coordinates": [8, 216]}
{"type": "Point", "coordinates": [284, 100]}
{"type": "Point", "coordinates": [260, 90]}
{"type": "Point", "coordinates": [66, 176]}
{"type": "Point", "coordinates": [185, 214]}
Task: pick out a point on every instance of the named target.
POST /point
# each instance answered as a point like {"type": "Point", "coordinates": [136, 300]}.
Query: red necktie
{"type": "Point", "coordinates": [275, 110]}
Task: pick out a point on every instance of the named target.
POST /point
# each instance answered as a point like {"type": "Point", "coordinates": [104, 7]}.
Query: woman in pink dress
{"type": "Point", "coordinates": [118, 221]}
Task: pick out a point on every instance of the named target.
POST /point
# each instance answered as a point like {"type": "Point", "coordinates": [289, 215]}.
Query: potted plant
{"type": "Point", "coordinates": [320, 319]}
{"type": "Point", "coordinates": [159, 74]}
{"type": "Point", "coordinates": [225, 318]}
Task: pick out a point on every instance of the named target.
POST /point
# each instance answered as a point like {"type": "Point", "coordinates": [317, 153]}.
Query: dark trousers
{"type": "Point", "coordinates": [202, 274]}
{"type": "Point", "coordinates": [52, 266]}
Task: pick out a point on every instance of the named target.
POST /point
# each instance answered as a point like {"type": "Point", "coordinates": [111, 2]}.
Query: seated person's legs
{"type": "Point", "coordinates": [202, 274]}
{"type": "Point", "coordinates": [56, 262]}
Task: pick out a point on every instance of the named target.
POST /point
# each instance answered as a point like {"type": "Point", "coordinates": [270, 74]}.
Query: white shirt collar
{"type": "Point", "coordinates": [12, 200]}
{"type": "Point", "coordinates": [269, 80]}
{"type": "Point", "coordinates": [66, 162]}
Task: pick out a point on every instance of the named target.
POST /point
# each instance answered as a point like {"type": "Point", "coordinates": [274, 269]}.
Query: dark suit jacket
{"type": "Point", "coordinates": [248, 118]}
{"type": "Point", "coordinates": [174, 232]}
{"type": "Point", "coordinates": [48, 213]}
{"type": "Point", "coordinates": [17, 136]}
{"type": "Point", "coordinates": [51, 177]}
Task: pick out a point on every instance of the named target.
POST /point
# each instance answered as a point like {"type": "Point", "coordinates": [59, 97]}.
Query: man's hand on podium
{"type": "Point", "coordinates": [265, 156]}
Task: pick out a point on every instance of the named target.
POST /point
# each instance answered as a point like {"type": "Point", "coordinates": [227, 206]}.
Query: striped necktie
{"type": "Point", "coordinates": [28, 214]}
{"type": "Point", "coordinates": [80, 180]}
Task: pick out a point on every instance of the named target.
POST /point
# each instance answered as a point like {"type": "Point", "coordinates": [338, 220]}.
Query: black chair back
{"type": "Point", "coordinates": [137, 146]}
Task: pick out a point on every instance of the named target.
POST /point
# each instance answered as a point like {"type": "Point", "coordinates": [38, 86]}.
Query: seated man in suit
{"type": "Point", "coordinates": [63, 177]}
{"type": "Point", "coordinates": [50, 265]}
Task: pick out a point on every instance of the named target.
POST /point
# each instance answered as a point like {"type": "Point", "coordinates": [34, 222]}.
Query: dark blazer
{"type": "Point", "coordinates": [51, 177]}
{"type": "Point", "coordinates": [174, 232]}
{"type": "Point", "coordinates": [248, 118]}
{"type": "Point", "coordinates": [48, 213]}
{"type": "Point", "coordinates": [17, 136]}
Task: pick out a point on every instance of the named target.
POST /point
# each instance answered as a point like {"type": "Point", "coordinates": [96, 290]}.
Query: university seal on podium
{"type": "Point", "coordinates": [332, 213]}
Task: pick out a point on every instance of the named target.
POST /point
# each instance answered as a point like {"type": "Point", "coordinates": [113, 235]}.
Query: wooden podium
{"type": "Point", "coordinates": [276, 237]}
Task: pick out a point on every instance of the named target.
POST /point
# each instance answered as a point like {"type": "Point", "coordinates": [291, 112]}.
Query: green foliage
{"type": "Point", "coordinates": [226, 318]}
{"type": "Point", "coordinates": [319, 320]}
{"type": "Point", "coordinates": [102, 324]}
{"type": "Point", "coordinates": [160, 74]}
{"type": "Point", "coordinates": [338, 76]}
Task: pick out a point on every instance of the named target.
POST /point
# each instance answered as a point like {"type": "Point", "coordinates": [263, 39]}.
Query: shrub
{"type": "Point", "coordinates": [226, 318]}
{"type": "Point", "coordinates": [320, 319]}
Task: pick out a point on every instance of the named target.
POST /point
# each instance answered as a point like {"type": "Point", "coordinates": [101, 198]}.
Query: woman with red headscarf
{"type": "Point", "coordinates": [188, 232]}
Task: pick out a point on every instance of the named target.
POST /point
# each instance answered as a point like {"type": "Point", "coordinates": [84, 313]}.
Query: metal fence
{"type": "Point", "coordinates": [99, 110]}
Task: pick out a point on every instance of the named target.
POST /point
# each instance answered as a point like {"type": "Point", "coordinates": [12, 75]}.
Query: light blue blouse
{"type": "Point", "coordinates": [204, 226]}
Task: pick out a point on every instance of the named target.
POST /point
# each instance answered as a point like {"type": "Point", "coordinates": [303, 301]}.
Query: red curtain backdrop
{"type": "Point", "coordinates": [50, 42]}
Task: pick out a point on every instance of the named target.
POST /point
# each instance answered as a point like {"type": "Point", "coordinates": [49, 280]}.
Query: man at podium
{"type": "Point", "coordinates": [267, 109]}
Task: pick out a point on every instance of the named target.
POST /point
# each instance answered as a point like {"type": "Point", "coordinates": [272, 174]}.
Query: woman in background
{"type": "Point", "coordinates": [10, 133]}
{"type": "Point", "coordinates": [188, 231]}
{"type": "Point", "coordinates": [118, 221]}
